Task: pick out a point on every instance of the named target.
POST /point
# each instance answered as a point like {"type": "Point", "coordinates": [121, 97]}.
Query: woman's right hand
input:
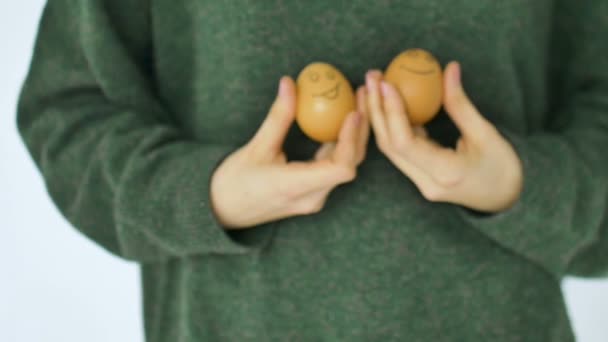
{"type": "Point", "coordinates": [255, 184]}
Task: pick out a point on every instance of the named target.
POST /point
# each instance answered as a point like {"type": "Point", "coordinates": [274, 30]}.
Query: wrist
{"type": "Point", "coordinates": [512, 185]}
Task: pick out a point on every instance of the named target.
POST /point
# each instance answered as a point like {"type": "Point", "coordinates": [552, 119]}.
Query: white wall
{"type": "Point", "coordinates": [56, 285]}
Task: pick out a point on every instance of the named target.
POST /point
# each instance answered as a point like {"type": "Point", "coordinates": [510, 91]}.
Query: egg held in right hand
{"type": "Point", "coordinates": [324, 100]}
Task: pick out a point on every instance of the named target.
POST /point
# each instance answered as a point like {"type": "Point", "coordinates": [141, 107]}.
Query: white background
{"type": "Point", "coordinates": [56, 285]}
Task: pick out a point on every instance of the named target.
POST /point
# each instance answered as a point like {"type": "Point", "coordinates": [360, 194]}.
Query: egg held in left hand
{"type": "Point", "coordinates": [417, 75]}
{"type": "Point", "coordinates": [324, 100]}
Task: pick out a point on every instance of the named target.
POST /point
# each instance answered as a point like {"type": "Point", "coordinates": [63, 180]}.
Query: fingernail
{"type": "Point", "coordinates": [455, 79]}
{"type": "Point", "coordinates": [384, 88]}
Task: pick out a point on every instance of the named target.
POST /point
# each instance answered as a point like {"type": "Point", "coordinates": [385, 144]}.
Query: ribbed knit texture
{"type": "Point", "coordinates": [130, 105]}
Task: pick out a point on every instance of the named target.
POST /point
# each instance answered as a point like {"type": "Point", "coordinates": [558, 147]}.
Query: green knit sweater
{"type": "Point", "coordinates": [130, 105]}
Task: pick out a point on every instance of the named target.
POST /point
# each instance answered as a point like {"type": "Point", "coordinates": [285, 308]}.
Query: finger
{"type": "Point", "coordinates": [325, 151]}
{"type": "Point", "coordinates": [361, 100]}
{"type": "Point", "coordinates": [420, 132]}
{"type": "Point", "coordinates": [374, 105]}
{"type": "Point", "coordinates": [364, 128]}
{"type": "Point", "coordinates": [304, 204]}
{"type": "Point", "coordinates": [444, 165]}
{"type": "Point", "coordinates": [310, 203]}
{"type": "Point", "coordinates": [429, 188]}
{"type": "Point", "coordinates": [345, 152]}
{"type": "Point", "coordinates": [471, 124]}
{"type": "Point", "coordinates": [399, 127]}
{"type": "Point", "coordinates": [300, 178]}
{"type": "Point", "coordinates": [271, 134]}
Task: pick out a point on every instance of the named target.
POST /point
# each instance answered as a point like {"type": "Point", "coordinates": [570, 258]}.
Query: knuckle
{"type": "Point", "coordinates": [311, 207]}
{"type": "Point", "coordinates": [276, 118]}
{"type": "Point", "coordinates": [346, 174]}
{"type": "Point", "coordinates": [350, 174]}
{"type": "Point", "coordinates": [447, 179]}
{"type": "Point", "coordinates": [431, 193]}
{"type": "Point", "coordinates": [279, 115]}
{"type": "Point", "coordinates": [459, 98]}
{"type": "Point", "coordinates": [457, 103]}
{"type": "Point", "coordinates": [316, 208]}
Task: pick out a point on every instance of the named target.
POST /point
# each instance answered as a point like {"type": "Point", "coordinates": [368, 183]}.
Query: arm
{"type": "Point", "coordinates": [122, 172]}
{"type": "Point", "coordinates": [113, 161]}
{"type": "Point", "coordinates": [542, 195]}
{"type": "Point", "coordinates": [560, 220]}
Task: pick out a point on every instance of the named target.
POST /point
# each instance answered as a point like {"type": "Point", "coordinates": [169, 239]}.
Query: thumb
{"type": "Point", "coordinates": [272, 132]}
{"type": "Point", "coordinates": [460, 109]}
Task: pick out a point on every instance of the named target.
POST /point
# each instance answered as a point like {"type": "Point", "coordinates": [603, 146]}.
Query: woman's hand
{"type": "Point", "coordinates": [256, 184]}
{"type": "Point", "coordinates": [483, 172]}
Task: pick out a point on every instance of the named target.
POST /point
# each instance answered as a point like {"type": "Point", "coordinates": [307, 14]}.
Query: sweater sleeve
{"type": "Point", "coordinates": [114, 161]}
{"type": "Point", "coordinates": [560, 221]}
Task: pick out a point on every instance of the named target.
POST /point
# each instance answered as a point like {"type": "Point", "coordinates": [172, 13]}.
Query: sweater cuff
{"type": "Point", "coordinates": [169, 213]}
{"type": "Point", "coordinates": [536, 226]}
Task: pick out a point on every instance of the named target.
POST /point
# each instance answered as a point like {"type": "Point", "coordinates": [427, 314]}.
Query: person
{"type": "Point", "coordinates": [160, 135]}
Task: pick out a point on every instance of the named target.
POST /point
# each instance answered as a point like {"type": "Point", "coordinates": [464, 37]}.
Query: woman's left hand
{"type": "Point", "coordinates": [483, 173]}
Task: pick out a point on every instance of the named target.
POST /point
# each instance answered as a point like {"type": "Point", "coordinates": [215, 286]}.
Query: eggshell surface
{"type": "Point", "coordinates": [417, 75]}
{"type": "Point", "coordinates": [324, 99]}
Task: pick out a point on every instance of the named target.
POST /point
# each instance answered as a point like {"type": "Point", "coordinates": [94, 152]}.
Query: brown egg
{"type": "Point", "coordinates": [324, 99]}
{"type": "Point", "coordinates": [419, 78]}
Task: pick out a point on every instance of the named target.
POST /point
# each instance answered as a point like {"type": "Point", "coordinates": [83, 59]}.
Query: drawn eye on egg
{"type": "Point", "coordinates": [329, 85]}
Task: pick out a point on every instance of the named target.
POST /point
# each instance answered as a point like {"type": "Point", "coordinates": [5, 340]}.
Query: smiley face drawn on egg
{"type": "Point", "coordinates": [418, 76]}
{"type": "Point", "coordinates": [322, 77]}
{"type": "Point", "coordinates": [418, 62]}
{"type": "Point", "coordinates": [330, 94]}
{"type": "Point", "coordinates": [324, 98]}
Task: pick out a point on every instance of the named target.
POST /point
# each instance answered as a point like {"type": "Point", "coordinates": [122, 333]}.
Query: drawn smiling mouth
{"type": "Point", "coordinates": [331, 94]}
{"type": "Point", "coordinates": [420, 72]}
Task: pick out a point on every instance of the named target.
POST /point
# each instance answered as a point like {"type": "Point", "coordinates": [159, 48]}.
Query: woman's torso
{"type": "Point", "coordinates": [380, 262]}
